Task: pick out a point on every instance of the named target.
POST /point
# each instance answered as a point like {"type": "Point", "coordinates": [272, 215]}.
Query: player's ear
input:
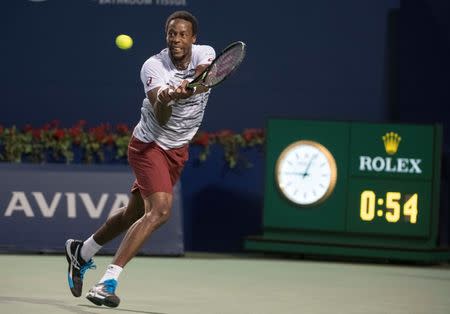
{"type": "Point", "coordinates": [194, 39]}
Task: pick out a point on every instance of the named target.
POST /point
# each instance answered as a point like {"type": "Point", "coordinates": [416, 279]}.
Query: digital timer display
{"type": "Point", "coordinates": [387, 206]}
{"type": "Point", "coordinates": [395, 206]}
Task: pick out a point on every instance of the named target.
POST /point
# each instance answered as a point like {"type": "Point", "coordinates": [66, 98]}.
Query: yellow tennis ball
{"type": "Point", "coordinates": [124, 41]}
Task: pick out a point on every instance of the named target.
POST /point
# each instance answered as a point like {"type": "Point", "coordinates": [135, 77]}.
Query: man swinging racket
{"type": "Point", "coordinates": [171, 114]}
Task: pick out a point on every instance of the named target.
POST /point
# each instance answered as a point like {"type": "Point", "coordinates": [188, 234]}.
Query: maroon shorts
{"type": "Point", "coordinates": [156, 169]}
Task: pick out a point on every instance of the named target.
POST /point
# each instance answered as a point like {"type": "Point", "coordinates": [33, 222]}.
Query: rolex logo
{"type": "Point", "coordinates": [391, 141]}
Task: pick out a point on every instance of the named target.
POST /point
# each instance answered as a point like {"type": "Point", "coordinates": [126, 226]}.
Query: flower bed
{"type": "Point", "coordinates": [105, 143]}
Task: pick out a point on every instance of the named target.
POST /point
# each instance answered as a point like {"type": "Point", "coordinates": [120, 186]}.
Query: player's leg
{"type": "Point", "coordinates": [157, 211]}
{"type": "Point", "coordinates": [120, 220]}
{"type": "Point", "coordinates": [79, 254]}
{"type": "Point", "coordinates": [157, 170]}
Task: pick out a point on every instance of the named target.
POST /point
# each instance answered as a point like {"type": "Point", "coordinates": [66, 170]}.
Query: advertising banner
{"type": "Point", "coordinates": [43, 205]}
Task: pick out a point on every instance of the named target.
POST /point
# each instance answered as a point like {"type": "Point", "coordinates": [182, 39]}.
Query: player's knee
{"type": "Point", "coordinates": [159, 214]}
{"type": "Point", "coordinates": [164, 214]}
{"type": "Point", "coordinates": [155, 219]}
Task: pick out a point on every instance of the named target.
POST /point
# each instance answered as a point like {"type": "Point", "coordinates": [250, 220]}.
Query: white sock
{"type": "Point", "coordinates": [89, 248]}
{"type": "Point", "coordinates": [112, 272]}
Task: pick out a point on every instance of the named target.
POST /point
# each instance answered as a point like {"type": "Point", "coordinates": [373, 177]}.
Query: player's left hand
{"type": "Point", "coordinates": [182, 92]}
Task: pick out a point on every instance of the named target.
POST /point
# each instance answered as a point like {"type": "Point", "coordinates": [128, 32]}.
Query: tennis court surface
{"type": "Point", "coordinates": [223, 284]}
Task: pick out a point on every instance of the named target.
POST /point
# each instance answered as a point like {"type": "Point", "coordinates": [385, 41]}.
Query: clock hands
{"type": "Point", "coordinates": [304, 173]}
{"type": "Point", "coordinates": [308, 165]}
{"type": "Point", "coordinates": [296, 173]}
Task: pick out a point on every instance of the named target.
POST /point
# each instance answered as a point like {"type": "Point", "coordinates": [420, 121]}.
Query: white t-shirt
{"type": "Point", "coordinates": [187, 114]}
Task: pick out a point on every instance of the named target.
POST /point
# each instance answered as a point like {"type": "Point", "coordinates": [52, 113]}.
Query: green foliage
{"type": "Point", "coordinates": [232, 144]}
{"type": "Point", "coordinates": [51, 143]}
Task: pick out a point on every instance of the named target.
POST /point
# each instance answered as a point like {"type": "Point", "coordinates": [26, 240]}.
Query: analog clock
{"type": "Point", "coordinates": [306, 173]}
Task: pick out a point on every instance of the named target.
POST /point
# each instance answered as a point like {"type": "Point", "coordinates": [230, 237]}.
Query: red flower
{"type": "Point", "coordinates": [75, 134]}
{"type": "Point", "coordinates": [122, 128]}
{"type": "Point", "coordinates": [202, 139]}
{"type": "Point", "coordinates": [58, 134]}
{"type": "Point", "coordinates": [36, 134]}
{"type": "Point", "coordinates": [99, 133]}
{"type": "Point", "coordinates": [75, 131]}
{"type": "Point", "coordinates": [109, 140]}
{"type": "Point", "coordinates": [251, 134]}
{"type": "Point", "coordinates": [224, 133]}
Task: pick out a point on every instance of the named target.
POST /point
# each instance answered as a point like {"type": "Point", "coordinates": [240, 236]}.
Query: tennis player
{"type": "Point", "coordinates": [170, 116]}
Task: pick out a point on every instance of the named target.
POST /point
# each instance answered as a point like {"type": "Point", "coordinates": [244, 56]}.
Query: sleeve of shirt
{"type": "Point", "coordinates": [206, 55]}
{"type": "Point", "coordinates": [151, 75]}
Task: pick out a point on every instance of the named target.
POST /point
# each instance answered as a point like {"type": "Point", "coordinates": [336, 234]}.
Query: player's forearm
{"type": "Point", "coordinates": [162, 113]}
{"type": "Point", "coordinates": [160, 98]}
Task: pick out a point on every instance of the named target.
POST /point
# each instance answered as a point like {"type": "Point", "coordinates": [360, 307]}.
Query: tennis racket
{"type": "Point", "coordinates": [222, 66]}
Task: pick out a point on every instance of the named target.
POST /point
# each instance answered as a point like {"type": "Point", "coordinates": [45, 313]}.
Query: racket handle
{"type": "Point", "coordinates": [191, 85]}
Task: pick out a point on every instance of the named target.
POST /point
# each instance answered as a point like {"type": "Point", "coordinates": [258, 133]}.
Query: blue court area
{"type": "Point", "coordinates": [224, 284]}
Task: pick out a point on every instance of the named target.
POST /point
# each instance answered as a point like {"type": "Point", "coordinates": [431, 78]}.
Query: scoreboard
{"type": "Point", "coordinates": [353, 189]}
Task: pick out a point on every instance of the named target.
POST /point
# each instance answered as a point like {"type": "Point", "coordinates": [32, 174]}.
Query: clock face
{"type": "Point", "coordinates": [306, 173]}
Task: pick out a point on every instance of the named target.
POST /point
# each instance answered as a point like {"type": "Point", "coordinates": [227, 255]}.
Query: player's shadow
{"type": "Point", "coordinates": [120, 309]}
{"type": "Point", "coordinates": [79, 309]}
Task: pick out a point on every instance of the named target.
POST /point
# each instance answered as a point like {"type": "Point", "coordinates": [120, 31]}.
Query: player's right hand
{"type": "Point", "coordinates": [182, 92]}
{"type": "Point", "coordinates": [165, 96]}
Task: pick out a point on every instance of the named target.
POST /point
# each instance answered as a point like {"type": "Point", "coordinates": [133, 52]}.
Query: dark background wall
{"type": "Point", "coordinates": [423, 63]}
{"type": "Point", "coordinates": [308, 59]}
{"type": "Point", "coordinates": [352, 60]}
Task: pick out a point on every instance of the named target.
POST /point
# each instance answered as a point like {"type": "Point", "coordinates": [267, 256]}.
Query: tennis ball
{"type": "Point", "coordinates": [124, 42]}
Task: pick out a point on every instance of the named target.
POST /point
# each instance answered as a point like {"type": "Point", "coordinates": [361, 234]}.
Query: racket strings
{"type": "Point", "coordinates": [224, 65]}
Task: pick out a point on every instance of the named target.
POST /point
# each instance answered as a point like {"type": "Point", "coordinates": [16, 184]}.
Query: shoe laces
{"type": "Point", "coordinates": [110, 285]}
{"type": "Point", "coordinates": [88, 265]}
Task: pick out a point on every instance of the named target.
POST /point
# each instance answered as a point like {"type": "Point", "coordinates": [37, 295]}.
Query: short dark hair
{"type": "Point", "coordinates": [184, 15]}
